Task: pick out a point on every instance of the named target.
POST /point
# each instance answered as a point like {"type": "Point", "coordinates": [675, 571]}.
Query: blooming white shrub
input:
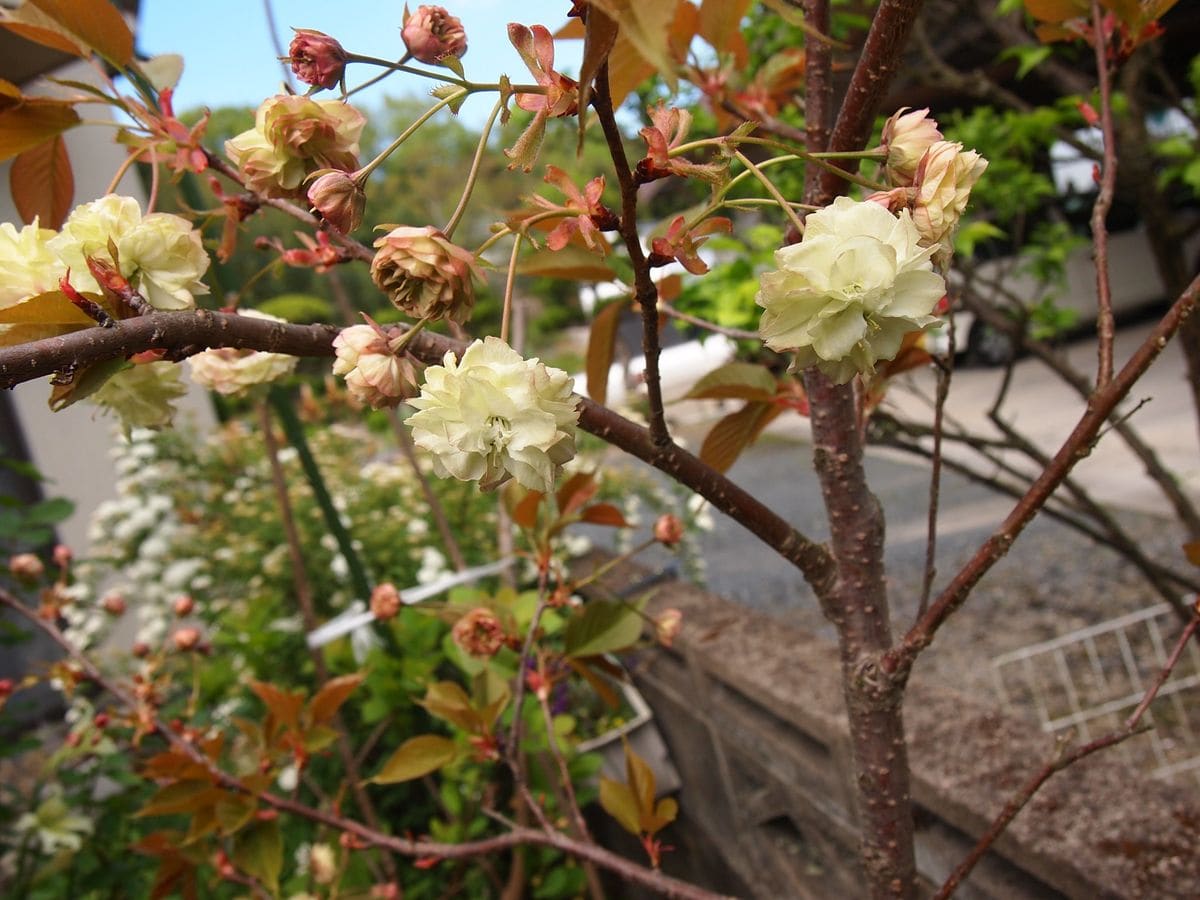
{"type": "Point", "coordinates": [493, 415]}
{"type": "Point", "coordinates": [845, 296]}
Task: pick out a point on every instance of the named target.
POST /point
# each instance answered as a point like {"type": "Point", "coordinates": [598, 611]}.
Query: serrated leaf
{"type": "Point", "coordinates": [525, 513]}
{"type": "Point", "coordinates": [1056, 10]}
{"type": "Point", "coordinates": [94, 23]}
{"type": "Point", "coordinates": [736, 380]}
{"type": "Point", "coordinates": [233, 811]}
{"type": "Point", "coordinates": [258, 851]}
{"type": "Point", "coordinates": [734, 433]}
{"type": "Point", "coordinates": [1192, 551]}
{"type": "Point", "coordinates": [575, 492]}
{"type": "Point", "coordinates": [604, 514]}
{"type": "Point", "coordinates": [640, 778]}
{"type": "Point", "coordinates": [284, 705]}
{"type": "Point", "coordinates": [647, 26]}
{"type": "Point", "coordinates": [600, 35]}
{"type": "Point", "coordinates": [31, 123]}
{"type": "Point", "coordinates": [721, 25]}
{"type": "Point", "coordinates": [328, 700]}
{"type": "Point", "coordinates": [85, 382]}
{"type": "Point", "coordinates": [50, 308]}
{"type": "Point", "coordinates": [570, 262]}
{"type": "Point", "coordinates": [618, 801]}
{"type": "Point", "coordinates": [42, 183]}
{"type": "Point", "coordinates": [416, 757]}
{"type": "Point", "coordinates": [602, 344]}
{"type": "Point", "coordinates": [179, 797]}
{"type": "Point", "coordinates": [448, 701]}
{"type": "Point", "coordinates": [603, 627]}
{"type": "Point", "coordinates": [446, 91]}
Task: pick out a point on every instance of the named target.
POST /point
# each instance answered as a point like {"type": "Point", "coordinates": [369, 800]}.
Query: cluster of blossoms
{"type": "Point", "coordinates": [375, 376]}
{"type": "Point", "coordinates": [232, 372]}
{"type": "Point", "coordinates": [160, 255]}
{"type": "Point", "coordinates": [863, 276]}
{"type": "Point", "coordinates": [493, 415]}
{"type": "Point", "coordinates": [292, 138]}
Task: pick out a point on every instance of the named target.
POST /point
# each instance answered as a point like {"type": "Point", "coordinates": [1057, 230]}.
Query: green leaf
{"type": "Point", "coordinates": [736, 380]}
{"type": "Point", "coordinates": [49, 512]}
{"type": "Point", "coordinates": [416, 757]}
{"type": "Point", "coordinates": [233, 811]}
{"type": "Point", "coordinates": [604, 627]}
{"type": "Point", "coordinates": [602, 343]}
{"type": "Point", "coordinates": [258, 851]}
{"type": "Point", "coordinates": [618, 801]}
{"type": "Point", "coordinates": [448, 701]}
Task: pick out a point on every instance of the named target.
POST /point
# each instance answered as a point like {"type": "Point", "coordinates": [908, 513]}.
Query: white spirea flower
{"type": "Point", "coordinates": [27, 264]}
{"type": "Point", "coordinates": [229, 371]}
{"type": "Point", "coordinates": [846, 295]}
{"type": "Point", "coordinates": [160, 254]}
{"type": "Point", "coordinates": [493, 414]}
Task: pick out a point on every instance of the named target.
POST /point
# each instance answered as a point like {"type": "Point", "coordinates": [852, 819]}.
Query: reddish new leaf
{"type": "Point", "coordinates": [737, 431]}
{"type": "Point", "coordinates": [525, 512]}
{"type": "Point", "coordinates": [737, 381]}
{"type": "Point", "coordinates": [329, 699]}
{"type": "Point", "coordinates": [604, 514]}
{"type": "Point", "coordinates": [94, 23]}
{"type": "Point", "coordinates": [42, 183]}
{"type": "Point", "coordinates": [602, 343]}
{"type": "Point", "coordinates": [284, 705]}
{"type": "Point", "coordinates": [31, 123]}
{"type": "Point", "coordinates": [575, 492]}
{"type": "Point", "coordinates": [721, 25]}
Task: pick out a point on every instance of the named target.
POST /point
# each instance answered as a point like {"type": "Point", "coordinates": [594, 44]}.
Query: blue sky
{"type": "Point", "coordinates": [230, 59]}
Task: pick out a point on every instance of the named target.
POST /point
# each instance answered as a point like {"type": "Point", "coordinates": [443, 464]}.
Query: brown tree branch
{"type": "Point", "coordinates": [190, 332]}
{"type": "Point", "coordinates": [1076, 447]}
{"type": "Point", "coordinates": [1104, 200]}
{"type": "Point", "coordinates": [644, 290]}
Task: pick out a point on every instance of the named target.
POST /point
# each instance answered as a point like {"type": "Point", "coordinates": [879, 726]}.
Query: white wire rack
{"type": "Point", "coordinates": [1091, 679]}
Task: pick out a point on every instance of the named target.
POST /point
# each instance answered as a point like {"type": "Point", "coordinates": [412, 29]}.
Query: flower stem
{"type": "Point", "coordinates": [506, 318]}
{"type": "Point", "coordinates": [362, 174]}
{"type": "Point", "coordinates": [473, 174]}
{"type": "Point", "coordinates": [771, 189]}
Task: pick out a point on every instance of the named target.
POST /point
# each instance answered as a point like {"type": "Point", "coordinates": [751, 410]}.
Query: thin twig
{"type": "Point", "coordinates": [1104, 199]}
{"type": "Point", "coordinates": [1064, 759]}
{"type": "Point", "coordinates": [945, 370]}
{"type": "Point", "coordinates": [645, 291]}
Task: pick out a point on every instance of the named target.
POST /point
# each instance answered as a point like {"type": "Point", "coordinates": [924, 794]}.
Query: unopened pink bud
{"type": "Point", "coordinates": [114, 604]}
{"type": "Point", "coordinates": [26, 567]}
{"type": "Point", "coordinates": [316, 58]}
{"type": "Point", "coordinates": [62, 555]}
{"type": "Point", "coordinates": [431, 34]}
{"type": "Point", "coordinates": [186, 638]}
{"type": "Point", "coordinates": [184, 605]}
{"type": "Point", "coordinates": [338, 199]}
{"type": "Point", "coordinates": [668, 529]}
{"type": "Point", "coordinates": [385, 601]}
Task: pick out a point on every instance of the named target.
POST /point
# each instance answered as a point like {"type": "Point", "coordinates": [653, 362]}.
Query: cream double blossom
{"type": "Point", "coordinates": [862, 277]}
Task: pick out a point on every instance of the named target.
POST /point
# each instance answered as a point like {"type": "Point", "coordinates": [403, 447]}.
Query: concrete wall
{"type": "Point", "coordinates": [752, 712]}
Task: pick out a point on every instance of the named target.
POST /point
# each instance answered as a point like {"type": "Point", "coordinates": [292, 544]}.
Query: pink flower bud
{"type": "Point", "coordinates": [338, 199]}
{"type": "Point", "coordinates": [906, 137]}
{"type": "Point", "coordinates": [114, 604]}
{"type": "Point", "coordinates": [479, 633]}
{"type": "Point", "coordinates": [140, 649]}
{"type": "Point", "coordinates": [26, 567]}
{"type": "Point", "coordinates": [184, 605]}
{"type": "Point", "coordinates": [431, 34]}
{"type": "Point", "coordinates": [316, 58]}
{"type": "Point", "coordinates": [668, 530]}
{"type": "Point", "coordinates": [186, 638]}
{"type": "Point", "coordinates": [62, 555]}
{"type": "Point", "coordinates": [385, 601]}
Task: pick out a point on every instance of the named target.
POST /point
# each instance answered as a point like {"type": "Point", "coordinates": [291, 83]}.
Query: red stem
{"type": "Point", "coordinates": [1104, 200]}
